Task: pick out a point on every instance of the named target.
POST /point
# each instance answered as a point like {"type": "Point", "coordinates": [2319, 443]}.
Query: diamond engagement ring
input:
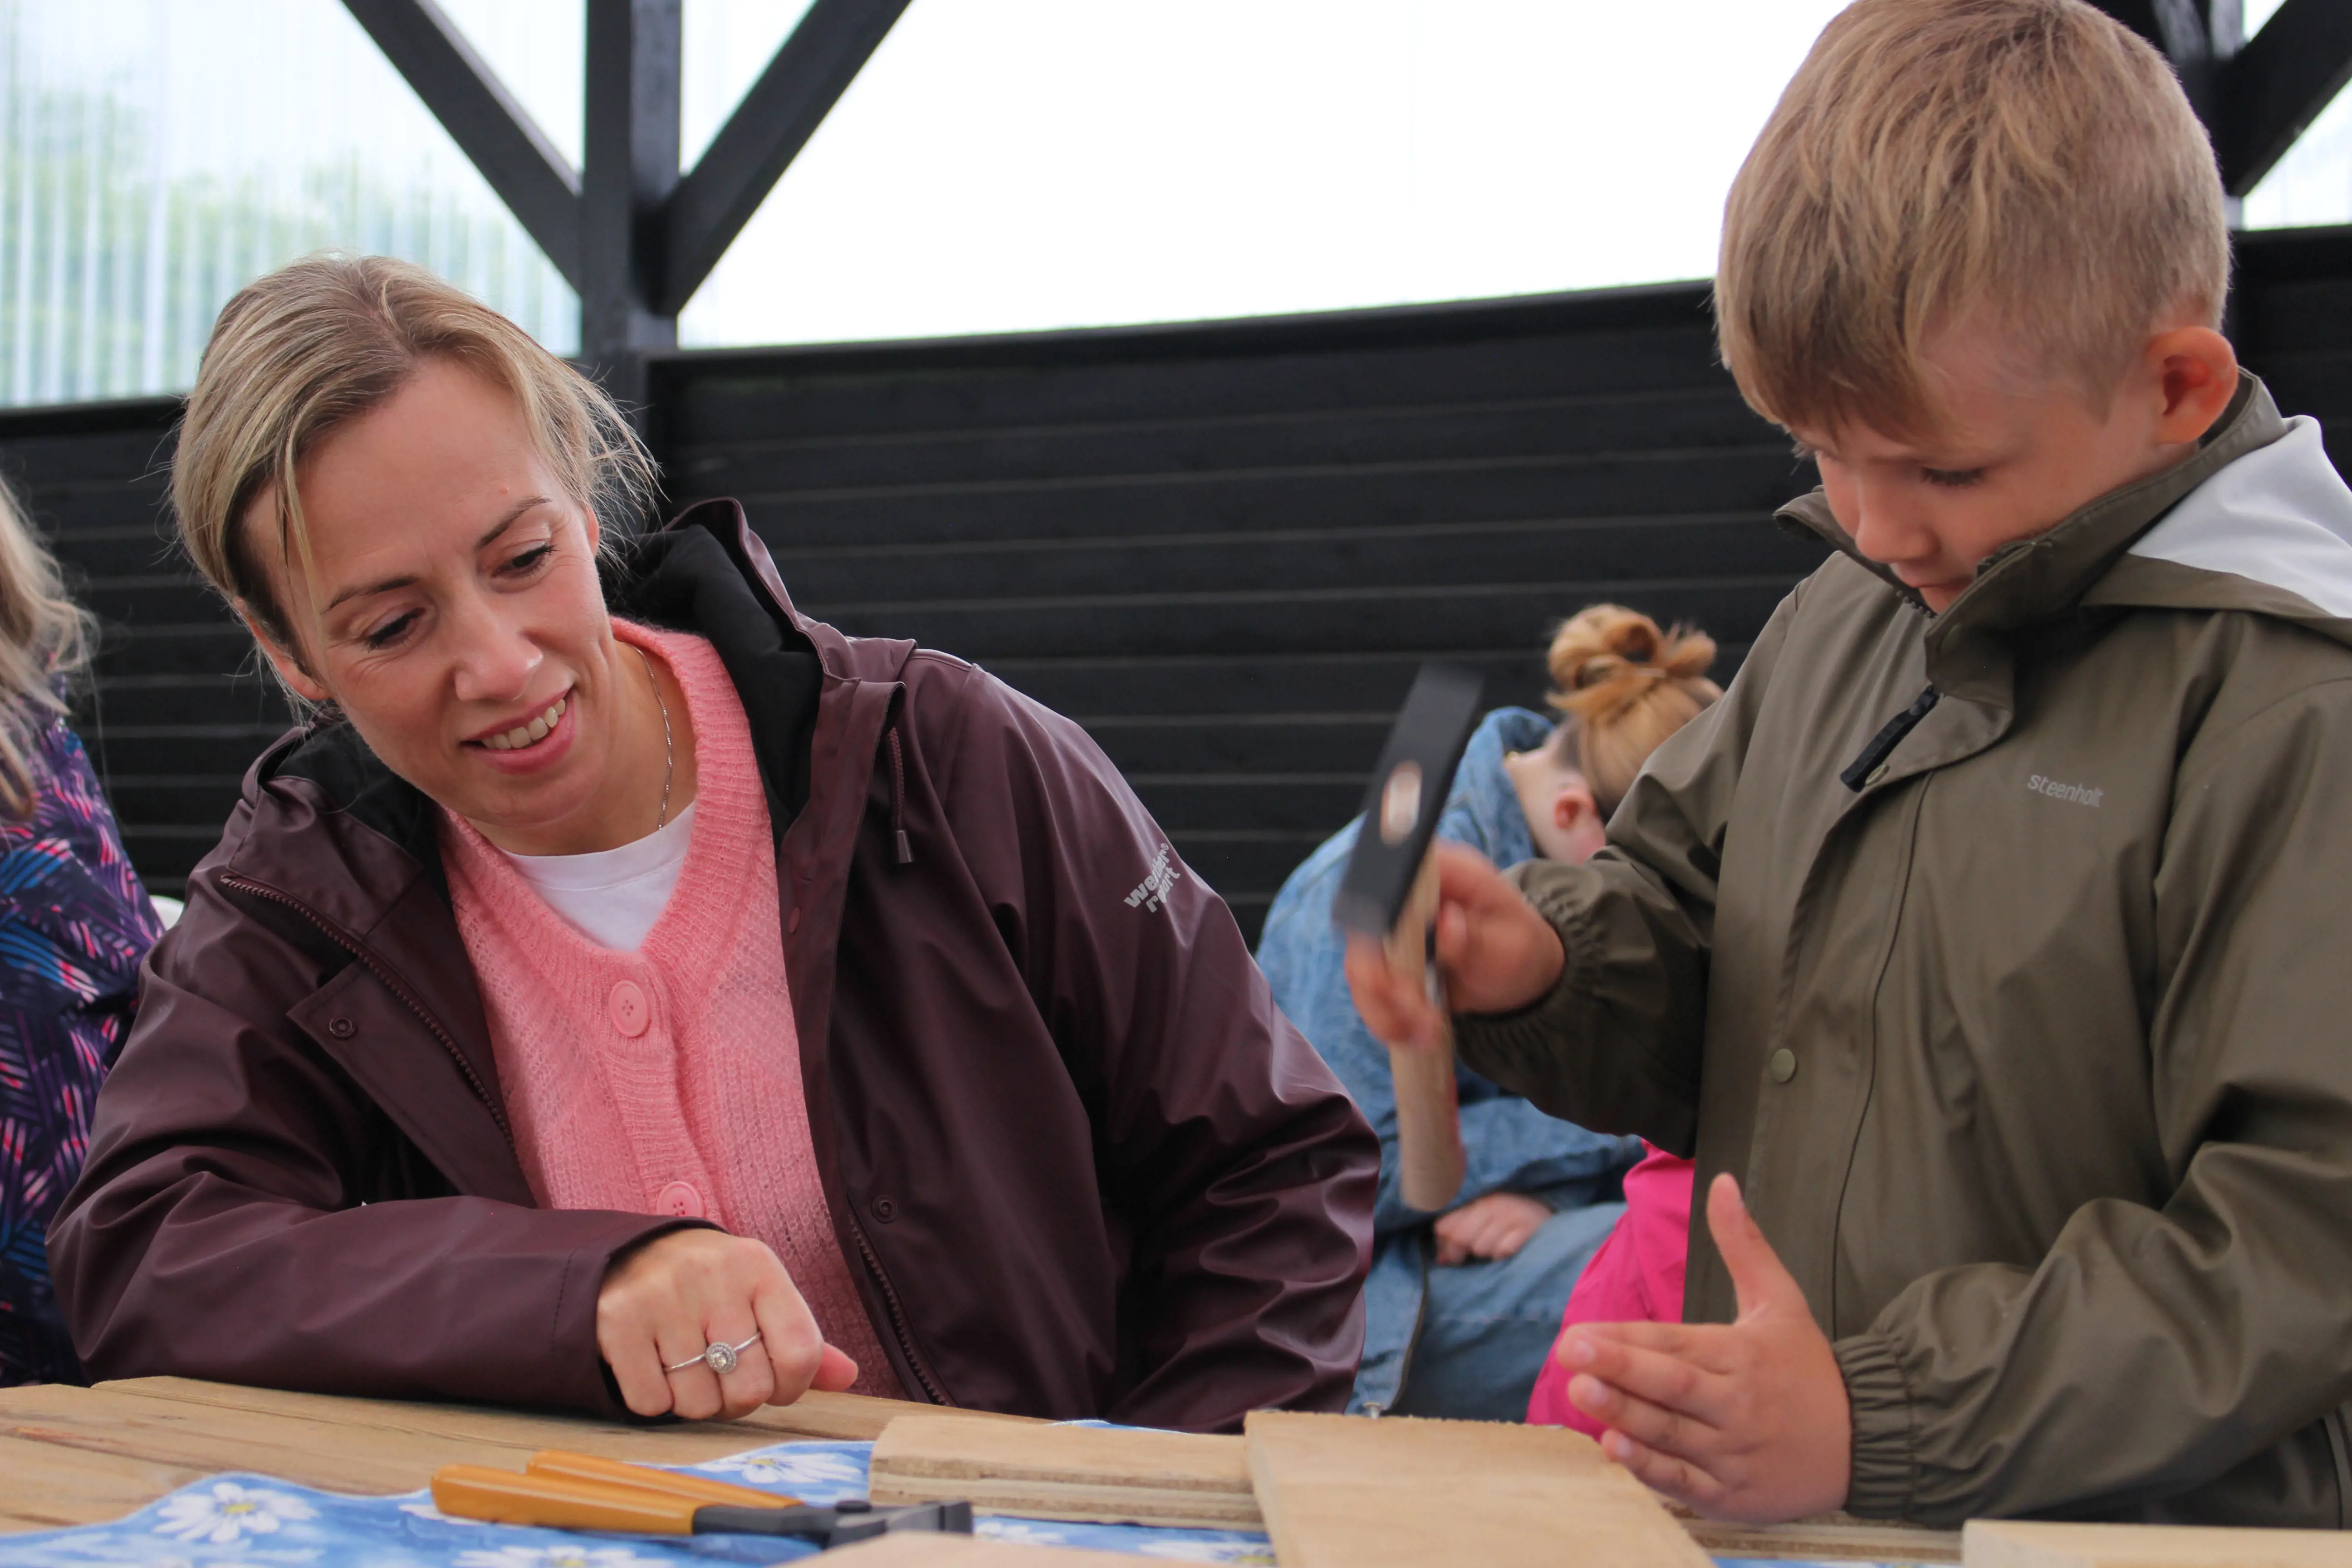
{"type": "Point", "coordinates": [720, 1358]}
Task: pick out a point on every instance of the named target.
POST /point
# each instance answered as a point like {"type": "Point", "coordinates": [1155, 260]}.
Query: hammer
{"type": "Point", "coordinates": [1390, 891]}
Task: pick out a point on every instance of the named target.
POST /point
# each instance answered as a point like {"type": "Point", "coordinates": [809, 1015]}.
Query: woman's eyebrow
{"type": "Point", "coordinates": [408, 579]}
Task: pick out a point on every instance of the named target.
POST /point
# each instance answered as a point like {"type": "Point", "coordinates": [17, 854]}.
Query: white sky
{"type": "Point", "coordinates": [1004, 164]}
{"type": "Point", "coordinates": [1011, 164]}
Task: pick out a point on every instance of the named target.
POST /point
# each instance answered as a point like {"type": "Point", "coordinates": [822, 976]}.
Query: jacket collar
{"type": "Point", "coordinates": [2030, 582]}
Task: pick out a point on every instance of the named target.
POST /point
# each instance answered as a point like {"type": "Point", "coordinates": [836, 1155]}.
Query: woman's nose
{"type": "Point", "coordinates": [494, 661]}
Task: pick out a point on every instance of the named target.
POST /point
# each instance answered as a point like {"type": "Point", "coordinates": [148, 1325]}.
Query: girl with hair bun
{"type": "Point", "coordinates": [1461, 1306]}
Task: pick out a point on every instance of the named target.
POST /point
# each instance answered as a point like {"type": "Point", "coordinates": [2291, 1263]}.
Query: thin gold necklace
{"type": "Point", "coordinates": [669, 751]}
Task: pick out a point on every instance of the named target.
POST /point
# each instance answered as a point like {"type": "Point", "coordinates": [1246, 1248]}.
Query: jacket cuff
{"type": "Point", "coordinates": [1885, 1453]}
{"type": "Point", "coordinates": [1534, 1032]}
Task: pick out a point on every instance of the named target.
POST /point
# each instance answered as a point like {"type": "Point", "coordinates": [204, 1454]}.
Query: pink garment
{"type": "Point", "coordinates": [668, 1080]}
{"type": "Point", "coordinates": [1635, 1277]}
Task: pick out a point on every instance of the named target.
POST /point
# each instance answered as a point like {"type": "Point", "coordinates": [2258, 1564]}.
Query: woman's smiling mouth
{"type": "Point", "coordinates": [524, 736]}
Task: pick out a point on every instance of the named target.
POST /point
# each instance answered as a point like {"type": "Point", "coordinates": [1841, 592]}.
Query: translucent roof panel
{"type": "Point", "coordinates": [2313, 184]}
{"type": "Point", "coordinates": [1034, 163]}
{"type": "Point", "coordinates": [539, 51]}
{"type": "Point", "coordinates": [156, 156]}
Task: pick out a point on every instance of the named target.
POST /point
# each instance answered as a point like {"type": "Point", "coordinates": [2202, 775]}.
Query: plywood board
{"type": "Point", "coordinates": [916, 1550]}
{"type": "Point", "coordinates": [1348, 1492]}
{"type": "Point", "coordinates": [2017, 1544]}
{"type": "Point", "coordinates": [1827, 1537]}
{"type": "Point", "coordinates": [852, 1416]}
{"type": "Point", "coordinates": [1088, 1473]}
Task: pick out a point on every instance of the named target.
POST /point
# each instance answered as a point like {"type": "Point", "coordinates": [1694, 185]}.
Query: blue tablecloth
{"type": "Point", "coordinates": [253, 1521]}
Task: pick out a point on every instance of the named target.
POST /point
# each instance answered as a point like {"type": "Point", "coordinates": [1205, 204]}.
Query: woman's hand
{"type": "Point", "coordinates": [1496, 952]}
{"type": "Point", "coordinates": [1493, 1228]}
{"type": "Point", "coordinates": [1747, 1420]}
{"type": "Point", "coordinates": [665, 1301]}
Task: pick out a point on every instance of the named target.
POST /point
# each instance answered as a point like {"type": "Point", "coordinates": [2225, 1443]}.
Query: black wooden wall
{"type": "Point", "coordinates": [1223, 547]}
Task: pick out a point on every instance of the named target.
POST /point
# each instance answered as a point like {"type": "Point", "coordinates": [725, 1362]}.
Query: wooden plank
{"type": "Point", "coordinates": [1342, 1492]}
{"type": "Point", "coordinates": [44, 1487]}
{"type": "Point", "coordinates": [1829, 1537]}
{"type": "Point", "coordinates": [1181, 1478]}
{"type": "Point", "coordinates": [2016, 1543]}
{"type": "Point", "coordinates": [845, 1416]}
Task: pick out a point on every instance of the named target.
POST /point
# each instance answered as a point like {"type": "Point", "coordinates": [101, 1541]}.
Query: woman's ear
{"type": "Point", "coordinates": [290, 668]}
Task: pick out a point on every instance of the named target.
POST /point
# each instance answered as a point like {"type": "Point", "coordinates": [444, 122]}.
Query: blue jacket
{"type": "Point", "coordinates": [1510, 1146]}
{"type": "Point", "coordinates": [74, 925]}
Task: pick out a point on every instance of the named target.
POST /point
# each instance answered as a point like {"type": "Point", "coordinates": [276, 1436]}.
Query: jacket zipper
{"type": "Point", "coordinates": [392, 983]}
{"type": "Point", "coordinates": [899, 1329]}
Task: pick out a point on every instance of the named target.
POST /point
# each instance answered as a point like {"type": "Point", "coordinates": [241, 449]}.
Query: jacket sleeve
{"type": "Point", "coordinates": [1615, 1045]}
{"type": "Point", "coordinates": [245, 1213]}
{"type": "Point", "coordinates": [2217, 1319]}
{"type": "Point", "coordinates": [1245, 1171]}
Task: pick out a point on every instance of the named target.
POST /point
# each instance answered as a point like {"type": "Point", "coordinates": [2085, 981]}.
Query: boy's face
{"type": "Point", "coordinates": [2012, 454]}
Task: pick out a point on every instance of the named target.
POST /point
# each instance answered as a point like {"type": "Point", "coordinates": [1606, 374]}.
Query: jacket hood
{"type": "Point", "coordinates": [2270, 533]}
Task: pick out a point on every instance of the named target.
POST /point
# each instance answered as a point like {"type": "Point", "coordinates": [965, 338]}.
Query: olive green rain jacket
{"type": "Point", "coordinates": [2030, 1038]}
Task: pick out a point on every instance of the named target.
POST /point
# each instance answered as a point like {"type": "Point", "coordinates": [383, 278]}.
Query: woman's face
{"type": "Point", "coordinates": [452, 611]}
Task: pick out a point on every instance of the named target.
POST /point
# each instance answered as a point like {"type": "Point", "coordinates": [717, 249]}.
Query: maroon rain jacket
{"type": "Point", "coordinates": [1078, 1164]}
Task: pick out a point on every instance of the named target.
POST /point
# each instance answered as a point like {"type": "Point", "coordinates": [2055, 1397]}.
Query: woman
{"type": "Point", "coordinates": [74, 923]}
{"type": "Point", "coordinates": [1460, 1308]}
{"type": "Point", "coordinates": [631, 993]}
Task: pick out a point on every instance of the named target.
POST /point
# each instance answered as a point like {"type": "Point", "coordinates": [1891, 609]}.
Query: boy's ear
{"type": "Point", "coordinates": [2198, 372]}
{"type": "Point", "coordinates": [290, 668]}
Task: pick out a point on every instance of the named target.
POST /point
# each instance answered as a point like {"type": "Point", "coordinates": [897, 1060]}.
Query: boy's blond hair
{"type": "Point", "coordinates": [2031, 160]}
{"type": "Point", "coordinates": [299, 352]}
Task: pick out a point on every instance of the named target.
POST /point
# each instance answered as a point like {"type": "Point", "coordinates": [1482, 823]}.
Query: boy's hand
{"type": "Point", "coordinates": [1744, 1421]}
{"type": "Point", "coordinates": [1496, 952]}
{"type": "Point", "coordinates": [1493, 1228]}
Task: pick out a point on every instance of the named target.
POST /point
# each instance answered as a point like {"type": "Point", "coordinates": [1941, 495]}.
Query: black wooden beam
{"type": "Point", "coordinates": [765, 133]}
{"type": "Point", "coordinates": [2277, 86]}
{"type": "Point", "coordinates": [538, 186]}
{"type": "Point", "coordinates": [631, 168]}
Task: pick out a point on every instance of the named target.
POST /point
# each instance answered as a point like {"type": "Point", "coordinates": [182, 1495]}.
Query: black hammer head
{"type": "Point", "coordinates": [1408, 791]}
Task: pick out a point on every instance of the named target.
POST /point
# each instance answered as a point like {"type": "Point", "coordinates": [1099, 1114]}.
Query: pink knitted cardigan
{"type": "Point", "coordinates": [666, 1081]}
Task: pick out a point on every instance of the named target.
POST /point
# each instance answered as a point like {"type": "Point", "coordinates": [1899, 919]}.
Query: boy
{"type": "Point", "coordinates": [1988, 931]}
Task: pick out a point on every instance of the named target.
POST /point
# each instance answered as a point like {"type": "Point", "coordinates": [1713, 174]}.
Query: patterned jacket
{"type": "Point", "coordinates": [74, 925]}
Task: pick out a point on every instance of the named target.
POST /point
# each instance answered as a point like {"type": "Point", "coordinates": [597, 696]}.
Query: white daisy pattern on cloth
{"type": "Point", "coordinates": [258, 1521]}
{"type": "Point", "coordinates": [225, 1512]}
{"type": "Point", "coordinates": [1252, 1553]}
{"type": "Point", "coordinates": [563, 1556]}
{"type": "Point", "coordinates": [796, 1468]}
{"type": "Point", "coordinates": [1020, 1532]}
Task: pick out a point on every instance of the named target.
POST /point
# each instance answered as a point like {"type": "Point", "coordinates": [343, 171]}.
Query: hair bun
{"type": "Point", "coordinates": [1606, 659]}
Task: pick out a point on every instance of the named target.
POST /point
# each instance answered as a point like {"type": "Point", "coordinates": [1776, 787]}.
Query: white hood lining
{"type": "Point", "coordinates": [2280, 515]}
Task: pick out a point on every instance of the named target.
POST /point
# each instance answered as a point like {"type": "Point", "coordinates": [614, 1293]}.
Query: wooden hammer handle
{"type": "Point", "coordinates": [1429, 1121]}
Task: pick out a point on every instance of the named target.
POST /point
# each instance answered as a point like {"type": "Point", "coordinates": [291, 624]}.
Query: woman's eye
{"type": "Point", "coordinates": [391, 632]}
{"type": "Point", "coordinates": [529, 559]}
{"type": "Point", "coordinates": [1952, 478]}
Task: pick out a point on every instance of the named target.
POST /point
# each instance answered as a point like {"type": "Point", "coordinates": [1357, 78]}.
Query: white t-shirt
{"type": "Point", "coordinates": [613, 896]}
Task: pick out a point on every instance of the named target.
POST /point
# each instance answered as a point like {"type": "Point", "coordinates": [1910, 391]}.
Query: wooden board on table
{"type": "Point", "coordinates": [917, 1549]}
{"type": "Point", "coordinates": [42, 1486]}
{"type": "Point", "coordinates": [1825, 1536]}
{"type": "Point", "coordinates": [844, 1416]}
{"type": "Point", "coordinates": [1106, 1477]}
{"type": "Point", "coordinates": [2018, 1543]}
{"type": "Point", "coordinates": [1346, 1492]}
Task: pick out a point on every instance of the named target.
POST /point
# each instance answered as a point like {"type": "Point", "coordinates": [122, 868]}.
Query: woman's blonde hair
{"type": "Point", "coordinates": [44, 637]}
{"type": "Point", "coordinates": [1624, 686]}
{"type": "Point", "coordinates": [314, 344]}
{"type": "Point", "coordinates": [2031, 160]}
